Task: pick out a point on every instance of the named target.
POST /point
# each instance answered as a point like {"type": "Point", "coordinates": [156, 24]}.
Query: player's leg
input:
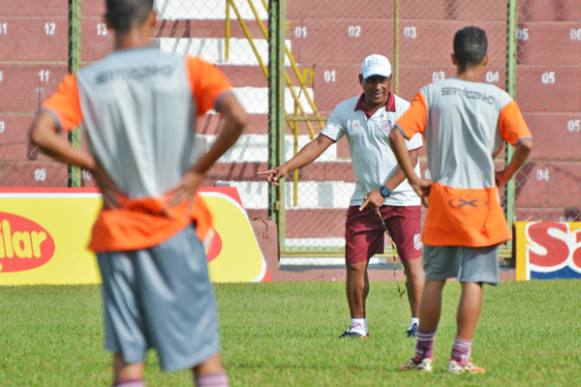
{"type": "Point", "coordinates": [469, 309]}
{"type": "Point", "coordinates": [357, 288]}
{"type": "Point", "coordinates": [364, 238]}
{"type": "Point", "coordinates": [367, 287]}
{"type": "Point", "coordinates": [127, 374]}
{"type": "Point", "coordinates": [403, 224]}
{"type": "Point", "coordinates": [467, 316]}
{"type": "Point", "coordinates": [210, 373]}
{"type": "Point", "coordinates": [431, 305]}
{"type": "Point", "coordinates": [430, 310]}
{"type": "Point", "coordinates": [478, 266]}
{"type": "Point", "coordinates": [414, 271]}
{"type": "Point", "coordinates": [125, 333]}
{"type": "Point", "coordinates": [440, 263]}
{"type": "Point", "coordinates": [181, 308]}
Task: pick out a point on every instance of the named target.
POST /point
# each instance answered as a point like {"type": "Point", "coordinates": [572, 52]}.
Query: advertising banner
{"type": "Point", "coordinates": [44, 236]}
{"type": "Point", "coordinates": [548, 250]}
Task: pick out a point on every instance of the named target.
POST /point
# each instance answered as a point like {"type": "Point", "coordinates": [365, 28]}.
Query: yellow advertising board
{"type": "Point", "coordinates": [548, 250]}
{"type": "Point", "coordinates": [44, 236]}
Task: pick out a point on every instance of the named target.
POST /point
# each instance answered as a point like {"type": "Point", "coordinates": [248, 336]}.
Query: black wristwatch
{"type": "Point", "coordinates": [384, 191]}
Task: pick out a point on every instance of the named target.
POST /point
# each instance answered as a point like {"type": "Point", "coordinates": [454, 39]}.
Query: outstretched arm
{"type": "Point", "coordinates": [306, 155]}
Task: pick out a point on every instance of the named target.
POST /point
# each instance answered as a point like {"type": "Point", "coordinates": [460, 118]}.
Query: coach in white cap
{"type": "Point", "coordinates": [381, 192]}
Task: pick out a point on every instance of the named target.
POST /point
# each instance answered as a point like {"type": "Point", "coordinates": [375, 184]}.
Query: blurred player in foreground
{"type": "Point", "coordinates": [381, 192]}
{"type": "Point", "coordinates": [463, 121]}
{"type": "Point", "coordinates": [138, 108]}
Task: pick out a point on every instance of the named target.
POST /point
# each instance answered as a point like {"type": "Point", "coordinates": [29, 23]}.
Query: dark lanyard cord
{"type": "Point", "coordinates": [400, 290]}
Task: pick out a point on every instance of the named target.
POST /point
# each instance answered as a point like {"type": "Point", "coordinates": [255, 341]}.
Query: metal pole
{"type": "Point", "coordinates": [74, 62]}
{"type": "Point", "coordinates": [509, 193]}
{"type": "Point", "coordinates": [276, 116]}
{"type": "Point", "coordinates": [227, 33]}
{"type": "Point", "coordinates": [395, 79]}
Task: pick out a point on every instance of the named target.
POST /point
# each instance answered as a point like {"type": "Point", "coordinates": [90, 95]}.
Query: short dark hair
{"type": "Point", "coordinates": [124, 15]}
{"type": "Point", "coordinates": [470, 47]}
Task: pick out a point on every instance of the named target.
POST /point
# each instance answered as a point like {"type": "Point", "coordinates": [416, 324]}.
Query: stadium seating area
{"type": "Point", "coordinates": [328, 38]}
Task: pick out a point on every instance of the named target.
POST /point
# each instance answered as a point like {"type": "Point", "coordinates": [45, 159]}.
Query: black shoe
{"type": "Point", "coordinates": [353, 335]}
{"type": "Point", "coordinates": [412, 331]}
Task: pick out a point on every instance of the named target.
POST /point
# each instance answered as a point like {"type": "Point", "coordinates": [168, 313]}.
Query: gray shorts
{"type": "Point", "coordinates": [160, 298]}
{"type": "Point", "coordinates": [467, 264]}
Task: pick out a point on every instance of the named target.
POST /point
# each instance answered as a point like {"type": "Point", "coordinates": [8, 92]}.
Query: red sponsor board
{"type": "Point", "coordinates": [548, 250]}
{"type": "Point", "coordinates": [24, 244]}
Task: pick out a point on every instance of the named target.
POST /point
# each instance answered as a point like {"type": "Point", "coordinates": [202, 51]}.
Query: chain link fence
{"type": "Point", "coordinates": [227, 34]}
{"type": "Point", "coordinates": [329, 39]}
{"type": "Point", "coordinates": [325, 43]}
{"type": "Point", "coordinates": [548, 91]}
{"type": "Point", "coordinates": [34, 56]}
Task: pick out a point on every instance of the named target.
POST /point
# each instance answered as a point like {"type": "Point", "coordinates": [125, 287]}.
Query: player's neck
{"type": "Point", "coordinates": [472, 74]}
{"type": "Point", "coordinates": [136, 38]}
{"type": "Point", "coordinates": [371, 106]}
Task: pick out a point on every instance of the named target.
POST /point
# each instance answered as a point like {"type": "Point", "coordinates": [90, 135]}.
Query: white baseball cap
{"type": "Point", "coordinates": [375, 64]}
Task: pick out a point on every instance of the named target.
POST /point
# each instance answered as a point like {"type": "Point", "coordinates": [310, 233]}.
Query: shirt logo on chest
{"type": "Point", "coordinates": [356, 124]}
{"type": "Point", "coordinates": [387, 125]}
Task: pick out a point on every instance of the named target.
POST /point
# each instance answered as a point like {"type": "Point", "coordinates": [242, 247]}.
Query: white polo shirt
{"type": "Point", "coordinates": [371, 155]}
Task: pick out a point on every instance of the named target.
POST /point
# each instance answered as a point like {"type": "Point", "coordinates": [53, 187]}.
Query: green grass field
{"type": "Point", "coordinates": [285, 334]}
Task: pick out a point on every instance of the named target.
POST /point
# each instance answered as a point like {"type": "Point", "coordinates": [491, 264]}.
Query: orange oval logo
{"type": "Point", "coordinates": [24, 244]}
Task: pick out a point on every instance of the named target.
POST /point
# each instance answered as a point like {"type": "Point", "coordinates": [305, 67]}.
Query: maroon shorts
{"type": "Point", "coordinates": [364, 234]}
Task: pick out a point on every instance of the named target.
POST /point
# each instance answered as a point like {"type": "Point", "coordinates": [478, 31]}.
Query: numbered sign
{"type": "Point", "coordinates": [492, 76]}
{"type": "Point", "coordinates": [301, 32]}
{"type": "Point", "coordinates": [50, 28]}
{"type": "Point", "coordinates": [438, 76]}
{"type": "Point", "coordinates": [86, 175]}
{"type": "Point", "coordinates": [40, 174]}
{"type": "Point", "coordinates": [410, 32]}
{"type": "Point", "coordinates": [543, 174]}
{"type": "Point", "coordinates": [330, 76]}
{"type": "Point", "coordinates": [548, 78]}
{"type": "Point", "coordinates": [574, 126]}
{"type": "Point", "coordinates": [44, 76]}
{"type": "Point", "coordinates": [354, 31]}
{"type": "Point", "coordinates": [102, 29]}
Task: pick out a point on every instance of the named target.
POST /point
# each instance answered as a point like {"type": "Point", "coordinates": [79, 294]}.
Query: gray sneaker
{"type": "Point", "coordinates": [412, 330]}
{"type": "Point", "coordinates": [424, 366]}
{"type": "Point", "coordinates": [353, 335]}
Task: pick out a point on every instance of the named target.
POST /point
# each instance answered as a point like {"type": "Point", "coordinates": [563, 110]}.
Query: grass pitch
{"type": "Point", "coordinates": [285, 334]}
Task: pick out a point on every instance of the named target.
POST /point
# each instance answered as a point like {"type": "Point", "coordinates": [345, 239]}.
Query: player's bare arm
{"type": "Point", "coordinates": [375, 197]}
{"type": "Point", "coordinates": [305, 156]}
{"type": "Point", "coordinates": [420, 186]}
{"type": "Point", "coordinates": [43, 134]}
{"type": "Point", "coordinates": [498, 150]}
{"type": "Point", "coordinates": [519, 157]}
{"type": "Point", "coordinates": [235, 119]}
